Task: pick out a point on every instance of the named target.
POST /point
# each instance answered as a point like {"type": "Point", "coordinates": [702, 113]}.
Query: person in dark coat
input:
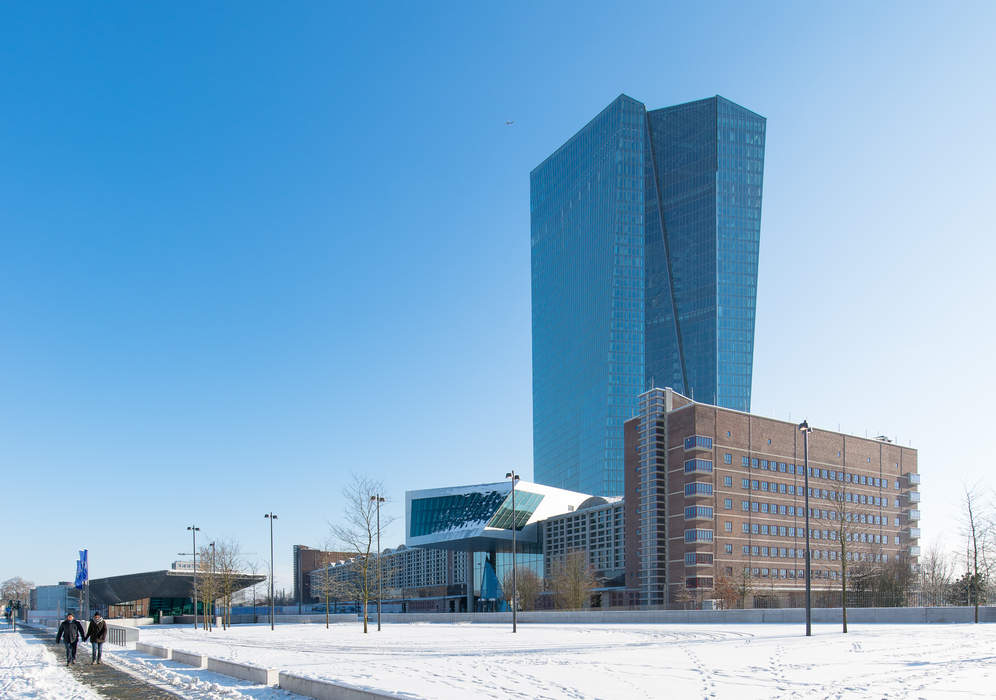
{"type": "Point", "coordinates": [70, 632]}
{"type": "Point", "coordinates": [96, 632]}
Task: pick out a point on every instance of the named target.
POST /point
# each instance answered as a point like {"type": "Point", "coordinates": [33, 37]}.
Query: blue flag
{"type": "Point", "coordinates": [82, 575]}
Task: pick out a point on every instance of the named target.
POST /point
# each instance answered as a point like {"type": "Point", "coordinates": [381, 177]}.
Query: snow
{"type": "Point", "coordinates": [187, 682]}
{"type": "Point", "coordinates": [29, 670]}
{"type": "Point", "coordinates": [616, 661]}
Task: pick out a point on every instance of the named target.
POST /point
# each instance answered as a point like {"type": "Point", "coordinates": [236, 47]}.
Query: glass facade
{"type": "Point", "coordinates": [491, 571]}
{"type": "Point", "coordinates": [454, 512]}
{"type": "Point", "coordinates": [525, 505]}
{"type": "Point", "coordinates": [644, 239]}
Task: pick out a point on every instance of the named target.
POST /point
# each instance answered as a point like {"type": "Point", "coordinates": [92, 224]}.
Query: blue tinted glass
{"type": "Point", "coordinates": [442, 513]}
{"type": "Point", "coordinates": [525, 505]}
{"type": "Point", "coordinates": [644, 236]}
{"type": "Point", "coordinates": [586, 204]}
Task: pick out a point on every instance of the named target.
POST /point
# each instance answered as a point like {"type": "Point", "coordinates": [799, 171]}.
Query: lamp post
{"type": "Point", "coordinates": [806, 430]}
{"type": "Point", "coordinates": [514, 477]}
{"type": "Point", "coordinates": [271, 517]}
{"type": "Point", "coordinates": [378, 499]}
{"type": "Point", "coordinates": [193, 532]}
{"type": "Point", "coordinates": [214, 583]}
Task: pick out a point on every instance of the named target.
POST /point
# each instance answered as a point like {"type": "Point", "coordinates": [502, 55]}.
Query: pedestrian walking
{"type": "Point", "coordinates": [96, 632]}
{"type": "Point", "coordinates": [70, 632]}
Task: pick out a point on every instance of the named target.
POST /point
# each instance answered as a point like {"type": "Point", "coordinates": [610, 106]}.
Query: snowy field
{"type": "Point", "coordinates": [618, 661]}
{"type": "Point", "coordinates": [29, 670]}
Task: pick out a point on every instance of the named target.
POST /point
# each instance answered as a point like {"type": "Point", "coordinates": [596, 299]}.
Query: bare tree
{"type": "Point", "coordinates": [528, 586]}
{"type": "Point", "coordinates": [726, 590]}
{"type": "Point", "coordinates": [744, 586]}
{"type": "Point", "coordinates": [227, 564]}
{"type": "Point", "coordinates": [326, 585]}
{"type": "Point", "coordinates": [208, 583]}
{"type": "Point", "coordinates": [845, 533]}
{"type": "Point", "coordinates": [18, 589]}
{"type": "Point", "coordinates": [252, 567]}
{"type": "Point", "coordinates": [686, 597]}
{"type": "Point", "coordinates": [357, 534]}
{"type": "Point", "coordinates": [978, 533]}
{"type": "Point", "coordinates": [935, 574]}
{"type": "Point", "coordinates": [572, 580]}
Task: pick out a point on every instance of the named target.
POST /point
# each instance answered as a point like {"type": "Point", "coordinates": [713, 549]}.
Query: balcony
{"type": "Point", "coordinates": [914, 496]}
{"type": "Point", "coordinates": [698, 513]}
{"type": "Point", "coordinates": [698, 559]}
{"type": "Point", "coordinates": [913, 515]}
{"type": "Point", "coordinates": [698, 442]}
{"type": "Point", "coordinates": [913, 533]}
{"type": "Point", "coordinates": [914, 551]}
{"type": "Point", "coordinates": [913, 478]}
{"type": "Point", "coordinates": [698, 489]}
{"type": "Point", "coordinates": [698, 466]}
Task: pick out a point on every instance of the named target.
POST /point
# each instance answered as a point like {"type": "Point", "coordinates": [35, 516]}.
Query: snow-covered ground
{"type": "Point", "coordinates": [29, 670]}
{"type": "Point", "coordinates": [619, 661]}
{"type": "Point", "coordinates": [189, 683]}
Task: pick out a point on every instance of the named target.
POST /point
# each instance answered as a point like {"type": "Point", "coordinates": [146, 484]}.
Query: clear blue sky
{"type": "Point", "coordinates": [249, 249]}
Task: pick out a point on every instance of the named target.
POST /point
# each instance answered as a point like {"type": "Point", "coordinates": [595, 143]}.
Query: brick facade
{"type": "Point", "coordinates": [727, 488]}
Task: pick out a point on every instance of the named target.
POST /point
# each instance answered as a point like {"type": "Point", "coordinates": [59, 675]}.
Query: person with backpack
{"type": "Point", "coordinates": [70, 631]}
{"type": "Point", "coordinates": [97, 634]}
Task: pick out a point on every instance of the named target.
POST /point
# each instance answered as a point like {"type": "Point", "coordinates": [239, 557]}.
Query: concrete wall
{"type": "Point", "coordinates": [189, 620]}
{"type": "Point", "coordinates": [784, 615]}
{"type": "Point", "coordinates": [130, 621]}
{"type": "Point", "coordinates": [188, 659]}
{"type": "Point", "coordinates": [316, 618]}
{"type": "Point", "coordinates": [247, 672]}
{"type": "Point", "coordinates": [326, 690]}
{"type": "Point", "coordinates": [154, 650]}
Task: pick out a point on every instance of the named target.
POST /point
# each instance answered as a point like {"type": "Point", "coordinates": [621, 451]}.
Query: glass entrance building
{"type": "Point", "coordinates": [644, 237]}
{"type": "Point", "coordinates": [478, 521]}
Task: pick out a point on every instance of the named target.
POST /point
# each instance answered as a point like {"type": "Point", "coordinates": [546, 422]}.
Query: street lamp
{"type": "Point", "coordinates": [806, 430]}
{"type": "Point", "coordinates": [193, 532]}
{"type": "Point", "coordinates": [378, 499]}
{"type": "Point", "coordinates": [271, 517]}
{"type": "Point", "coordinates": [514, 477]}
{"type": "Point", "coordinates": [214, 583]}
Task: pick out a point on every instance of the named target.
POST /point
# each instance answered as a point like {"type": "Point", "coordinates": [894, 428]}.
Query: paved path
{"type": "Point", "coordinates": [101, 678]}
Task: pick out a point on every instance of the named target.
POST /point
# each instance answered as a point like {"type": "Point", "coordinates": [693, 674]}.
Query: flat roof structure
{"type": "Point", "coordinates": [480, 518]}
{"type": "Point", "coordinates": [167, 583]}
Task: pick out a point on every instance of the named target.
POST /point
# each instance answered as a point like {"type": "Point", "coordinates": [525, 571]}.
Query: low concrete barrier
{"type": "Point", "coordinates": [327, 690]}
{"type": "Point", "coordinates": [247, 672]}
{"type": "Point", "coordinates": [154, 650]}
{"type": "Point", "coordinates": [702, 617]}
{"type": "Point", "coordinates": [130, 621]}
{"type": "Point", "coordinates": [188, 659]}
{"type": "Point", "coordinates": [261, 618]}
{"type": "Point", "coordinates": [189, 620]}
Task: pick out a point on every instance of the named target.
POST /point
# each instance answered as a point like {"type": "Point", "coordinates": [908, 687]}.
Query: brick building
{"type": "Point", "coordinates": [717, 494]}
{"type": "Point", "coordinates": [306, 560]}
{"type": "Point", "coordinates": [596, 528]}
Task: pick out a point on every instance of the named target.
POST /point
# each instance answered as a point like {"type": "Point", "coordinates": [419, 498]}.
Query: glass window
{"type": "Point", "coordinates": [698, 441]}
{"type": "Point", "coordinates": [701, 466]}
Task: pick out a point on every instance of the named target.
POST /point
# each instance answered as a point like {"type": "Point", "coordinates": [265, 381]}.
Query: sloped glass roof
{"type": "Point", "coordinates": [525, 505]}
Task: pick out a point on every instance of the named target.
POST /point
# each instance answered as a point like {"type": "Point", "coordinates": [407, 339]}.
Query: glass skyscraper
{"type": "Point", "coordinates": [645, 229]}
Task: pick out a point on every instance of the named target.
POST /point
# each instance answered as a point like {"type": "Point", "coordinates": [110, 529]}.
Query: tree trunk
{"type": "Point", "coordinates": [364, 614]}
{"type": "Point", "coordinates": [843, 597]}
{"type": "Point", "coordinates": [843, 585]}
